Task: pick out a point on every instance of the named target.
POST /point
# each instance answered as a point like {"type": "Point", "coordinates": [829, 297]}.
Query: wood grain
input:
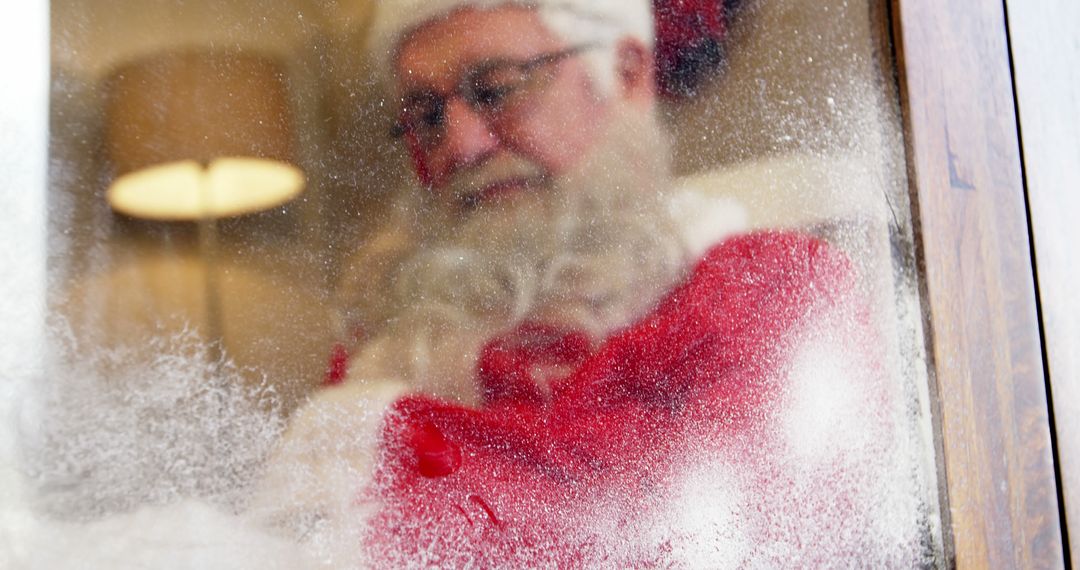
{"type": "Point", "coordinates": [1045, 51]}
{"type": "Point", "coordinates": [965, 172]}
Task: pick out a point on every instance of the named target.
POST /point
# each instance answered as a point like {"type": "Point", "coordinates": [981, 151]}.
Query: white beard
{"type": "Point", "coordinates": [593, 251]}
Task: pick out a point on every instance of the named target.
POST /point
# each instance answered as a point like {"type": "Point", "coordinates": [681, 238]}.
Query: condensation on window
{"type": "Point", "coordinates": [550, 292]}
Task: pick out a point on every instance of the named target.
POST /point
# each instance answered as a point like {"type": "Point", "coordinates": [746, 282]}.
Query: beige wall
{"type": "Point", "coordinates": [801, 76]}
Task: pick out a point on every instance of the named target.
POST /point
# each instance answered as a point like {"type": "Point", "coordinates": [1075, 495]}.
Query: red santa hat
{"type": "Point", "coordinates": [575, 21]}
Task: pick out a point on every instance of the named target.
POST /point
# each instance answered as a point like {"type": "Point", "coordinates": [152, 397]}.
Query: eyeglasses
{"type": "Point", "coordinates": [492, 89]}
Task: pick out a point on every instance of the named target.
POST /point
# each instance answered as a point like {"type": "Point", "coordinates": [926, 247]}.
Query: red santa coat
{"type": "Point", "coordinates": [523, 480]}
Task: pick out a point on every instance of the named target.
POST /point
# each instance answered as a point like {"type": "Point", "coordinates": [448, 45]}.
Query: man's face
{"type": "Point", "coordinates": [476, 149]}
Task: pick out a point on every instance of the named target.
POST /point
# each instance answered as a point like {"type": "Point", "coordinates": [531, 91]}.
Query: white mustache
{"type": "Point", "coordinates": [466, 186]}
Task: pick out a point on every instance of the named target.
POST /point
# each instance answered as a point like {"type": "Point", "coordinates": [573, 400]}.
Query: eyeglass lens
{"type": "Point", "coordinates": [489, 89]}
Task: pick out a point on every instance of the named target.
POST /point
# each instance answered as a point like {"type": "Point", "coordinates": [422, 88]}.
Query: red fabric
{"type": "Point", "coordinates": [681, 24]}
{"type": "Point", "coordinates": [504, 484]}
{"type": "Point", "coordinates": [688, 38]}
{"type": "Point", "coordinates": [506, 365]}
{"type": "Point", "coordinates": [338, 366]}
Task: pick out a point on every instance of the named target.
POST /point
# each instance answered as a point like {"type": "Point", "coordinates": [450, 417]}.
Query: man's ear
{"type": "Point", "coordinates": [635, 72]}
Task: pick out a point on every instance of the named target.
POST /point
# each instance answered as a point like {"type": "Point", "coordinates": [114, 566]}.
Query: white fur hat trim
{"type": "Point", "coordinates": [575, 20]}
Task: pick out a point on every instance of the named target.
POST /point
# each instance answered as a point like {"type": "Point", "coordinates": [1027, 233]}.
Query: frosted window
{"type": "Point", "coordinates": [541, 303]}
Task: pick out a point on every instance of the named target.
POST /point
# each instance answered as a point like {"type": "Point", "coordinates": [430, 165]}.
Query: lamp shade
{"type": "Point", "coordinates": [195, 135]}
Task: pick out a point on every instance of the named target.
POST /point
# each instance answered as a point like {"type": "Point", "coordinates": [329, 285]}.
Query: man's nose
{"type": "Point", "coordinates": [468, 136]}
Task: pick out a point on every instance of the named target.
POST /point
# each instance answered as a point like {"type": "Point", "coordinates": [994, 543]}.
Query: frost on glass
{"type": "Point", "coordinates": [697, 345]}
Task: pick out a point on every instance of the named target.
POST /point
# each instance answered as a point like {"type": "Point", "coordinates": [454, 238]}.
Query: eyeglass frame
{"type": "Point", "coordinates": [467, 86]}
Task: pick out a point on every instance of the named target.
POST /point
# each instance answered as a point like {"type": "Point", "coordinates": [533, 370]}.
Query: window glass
{"type": "Point", "coordinates": [23, 148]}
{"type": "Point", "coordinates": [460, 284]}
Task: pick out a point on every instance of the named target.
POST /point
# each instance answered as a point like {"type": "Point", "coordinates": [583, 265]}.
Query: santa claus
{"type": "Point", "coordinates": [567, 361]}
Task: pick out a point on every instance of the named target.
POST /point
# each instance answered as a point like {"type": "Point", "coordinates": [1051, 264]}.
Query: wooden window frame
{"type": "Point", "coordinates": [993, 422]}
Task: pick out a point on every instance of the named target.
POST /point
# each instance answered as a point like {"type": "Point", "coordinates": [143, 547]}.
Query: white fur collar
{"type": "Point", "coordinates": [704, 218]}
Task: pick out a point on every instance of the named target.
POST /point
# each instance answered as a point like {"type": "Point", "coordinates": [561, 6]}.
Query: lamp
{"type": "Point", "coordinates": [200, 136]}
{"type": "Point", "coordinates": [196, 135]}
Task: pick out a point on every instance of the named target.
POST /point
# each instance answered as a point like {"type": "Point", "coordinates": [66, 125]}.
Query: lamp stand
{"type": "Point", "coordinates": [208, 250]}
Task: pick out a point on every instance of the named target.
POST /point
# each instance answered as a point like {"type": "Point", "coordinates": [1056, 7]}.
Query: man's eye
{"type": "Point", "coordinates": [432, 117]}
{"type": "Point", "coordinates": [491, 96]}
{"type": "Point", "coordinates": [426, 116]}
